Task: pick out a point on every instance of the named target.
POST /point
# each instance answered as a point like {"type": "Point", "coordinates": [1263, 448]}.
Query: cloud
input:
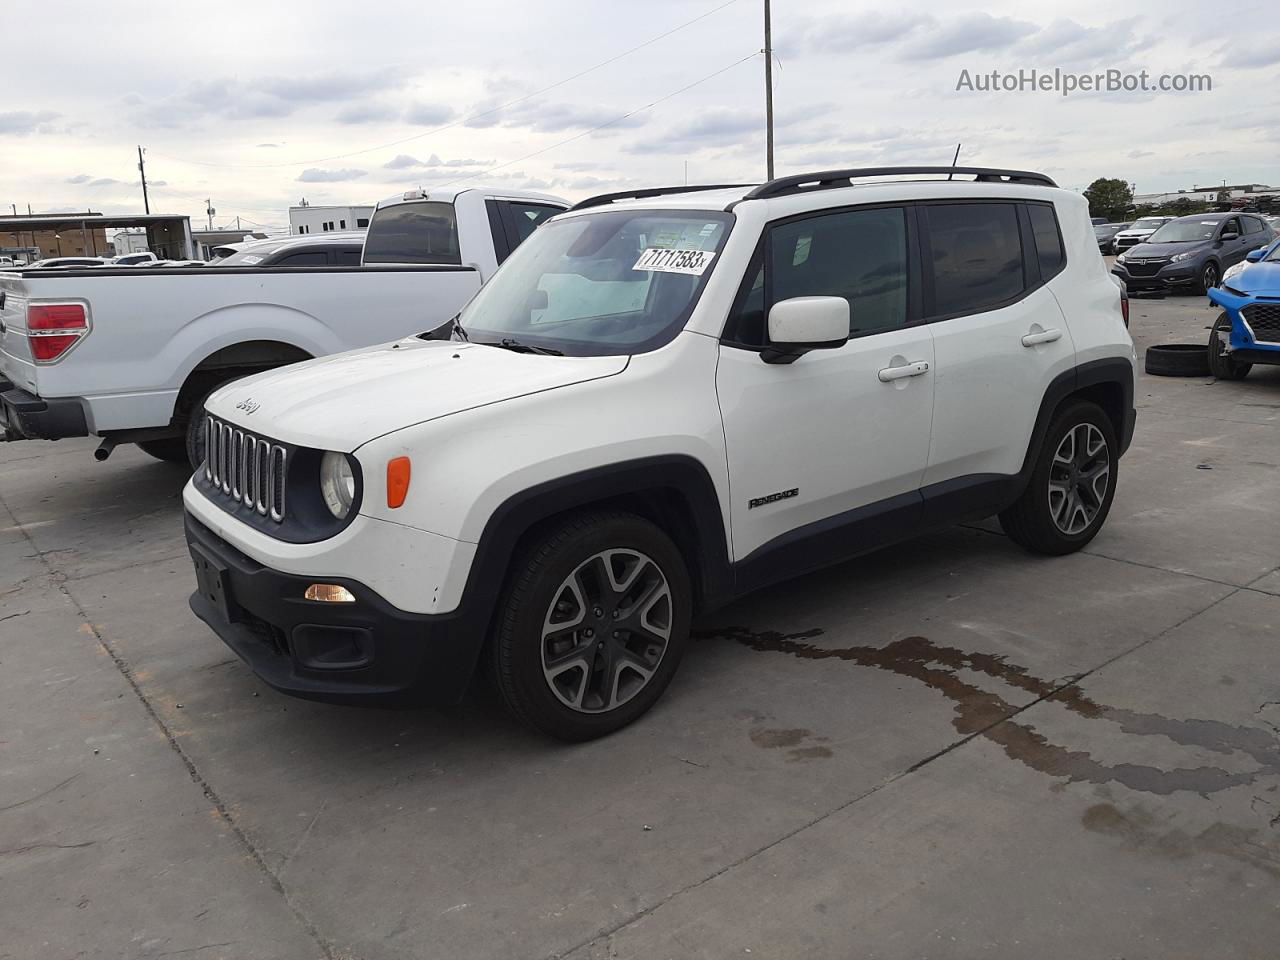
{"type": "Point", "coordinates": [83, 179]}
{"type": "Point", "coordinates": [1139, 154]}
{"type": "Point", "coordinates": [405, 162]}
{"type": "Point", "coordinates": [22, 122]}
{"type": "Point", "coordinates": [366, 113]}
{"type": "Point", "coordinates": [262, 97]}
{"type": "Point", "coordinates": [550, 117]}
{"type": "Point", "coordinates": [841, 34]}
{"type": "Point", "coordinates": [271, 146]}
{"type": "Point", "coordinates": [1069, 42]}
{"type": "Point", "coordinates": [314, 175]}
{"type": "Point", "coordinates": [429, 114]}
{"type": "Point", "coordinates": [967, 34]}
{"type": "Point", "coordinates": [1249, 57]}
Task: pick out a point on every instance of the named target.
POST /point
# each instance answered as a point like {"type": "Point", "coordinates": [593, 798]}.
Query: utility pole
{"type": "Point", "coordinates": [208, 209]}
{"type": "Point", "coordinates": [237, 223]}
{"type": "Point", "coordinates": [768, 91]}
{"type": "Point", "coordinates": [142, 169]}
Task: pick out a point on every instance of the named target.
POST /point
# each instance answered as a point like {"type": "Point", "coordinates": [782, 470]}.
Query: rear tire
{"type": "Point", "coordinates": [593, 625]}
{"type": "Point", "coordinates": [1221, 364]}
{"type": "Point", "coordinates": [1176, 360]}
{"type": "Point", "coordinates": [170, 450]}
{"type": "Point", "coordinates": [1072, 484]}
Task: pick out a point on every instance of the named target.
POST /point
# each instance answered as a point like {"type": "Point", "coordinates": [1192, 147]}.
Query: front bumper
{"type": "Point", "coordinates": [24, 416]}
{"type": "Point", "coordinates": [1167, 277]}
{"type": "Point", "coordinates": [367, 652]}
{"type": "Point", "coordinates": [1246, 344]}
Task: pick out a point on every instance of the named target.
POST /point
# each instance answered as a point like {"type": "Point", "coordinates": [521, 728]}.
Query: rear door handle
{"type": "Point", "coordinates": [889, 374]}
{"type": "Point", "coordinates": [1044, 336]}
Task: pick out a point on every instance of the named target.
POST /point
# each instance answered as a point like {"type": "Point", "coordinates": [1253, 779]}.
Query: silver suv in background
{"type": "Point", "coordinates": [1137, 232]}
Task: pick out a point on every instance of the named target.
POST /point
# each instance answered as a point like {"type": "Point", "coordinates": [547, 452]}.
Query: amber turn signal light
{"type": "Point", "coordinates": [329, 593]}
{"type": "Point", "coordinates": [397, 481]}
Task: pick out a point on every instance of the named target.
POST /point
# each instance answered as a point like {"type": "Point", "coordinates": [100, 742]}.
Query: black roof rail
{"type": "Point", "coordinates": [829, 179]}
{"type": "Point", "coordinates": [602, 199]}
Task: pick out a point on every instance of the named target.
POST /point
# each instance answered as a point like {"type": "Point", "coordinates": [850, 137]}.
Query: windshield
{"type": "Point", "coordinates": [250, 256]}
{"type": "Point", "coordinates": [1146, 225]}
{"type": "Point", "coordinates": [609, 283]}
{"type": "Point", "coordinates": [1184, 231]}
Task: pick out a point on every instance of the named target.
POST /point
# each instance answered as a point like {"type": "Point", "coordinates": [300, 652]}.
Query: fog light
{"type": "Point", "coordinates": [329, 593]}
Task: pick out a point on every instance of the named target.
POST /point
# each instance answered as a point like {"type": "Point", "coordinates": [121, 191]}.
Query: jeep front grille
{"type": "Point", "coordinates": [245, 468]}
{"type": "Point", "coordinates": [1264, 321]}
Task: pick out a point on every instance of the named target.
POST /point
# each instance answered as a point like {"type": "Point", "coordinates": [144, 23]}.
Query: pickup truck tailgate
{"type": "Point", "coordinates": [15, 350]}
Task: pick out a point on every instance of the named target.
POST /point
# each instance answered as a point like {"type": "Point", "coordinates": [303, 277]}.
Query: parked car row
{"type": "Point", "coordinates": [1192, 252]}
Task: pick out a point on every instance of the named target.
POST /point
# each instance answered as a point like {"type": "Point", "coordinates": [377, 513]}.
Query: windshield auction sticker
{"type": "Point", "coordinates": [659, 260]}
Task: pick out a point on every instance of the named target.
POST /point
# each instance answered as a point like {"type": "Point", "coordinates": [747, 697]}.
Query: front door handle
{"type": "Point", "coordinates": [889, 374]}
{"type": "Point", "coordinates": [1042, 336]}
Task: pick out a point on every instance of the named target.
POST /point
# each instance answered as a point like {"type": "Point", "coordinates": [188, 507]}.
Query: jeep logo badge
{"type": "Point", "coordinates": [248, 405]}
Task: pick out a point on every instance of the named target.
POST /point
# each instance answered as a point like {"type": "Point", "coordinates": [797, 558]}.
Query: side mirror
{"type": "Point", "coordinates": [1229, 235]}
{"type": "Point", "coordinates": [801, 324]}
{"type": "Point", "coordinates": [1253, 256]}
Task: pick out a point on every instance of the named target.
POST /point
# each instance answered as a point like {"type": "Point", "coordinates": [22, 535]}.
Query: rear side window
{"type": "Point", "coordinates": [976, 253]}
{"type": "Point", "coordinates": [413, 233]}
{"type": "Point", "coordinates": [1252, 225]}
{"type": "Point", "coordinates": [347, 258]}
{"type": "Point", "coordinates": [525, 217]}
{"type": "Point", "coordinates": [1044, 228]}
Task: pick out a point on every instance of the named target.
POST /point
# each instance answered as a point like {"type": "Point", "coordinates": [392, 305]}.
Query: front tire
{"type": "Point", "coordinates": [593, 626]}
{"type": "Point", "coordinates": [1208, 277]}
{"type": "Point", "coordinates": [1221, 364]}
{"type": "Point", "coordinates": [1072, 484]}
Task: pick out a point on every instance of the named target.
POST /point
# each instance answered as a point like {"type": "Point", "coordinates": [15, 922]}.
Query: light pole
{"type": "Point", "coordinates": [768, 91]}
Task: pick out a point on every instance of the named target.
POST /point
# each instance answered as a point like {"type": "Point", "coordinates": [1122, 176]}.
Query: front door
{"type": "Point", "coordinates": [812, 443]}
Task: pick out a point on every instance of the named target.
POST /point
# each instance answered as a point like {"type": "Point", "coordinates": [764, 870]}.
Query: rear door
{"type": "Point", "coordinates": [999, 334]}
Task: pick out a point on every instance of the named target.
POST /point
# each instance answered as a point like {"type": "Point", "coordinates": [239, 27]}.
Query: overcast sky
{"type": "Point", "coordinates": [260, 104]}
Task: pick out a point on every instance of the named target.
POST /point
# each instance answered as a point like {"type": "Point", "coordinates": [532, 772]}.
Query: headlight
{"type": "Point", "coordinates": [1233, 270]}
{"type": "Point", "coordinates": [337, 483]}
{"type": "Point", "coordinates": [1122, 258]}
{"type": "Point", "coordinates": [1178, 257]}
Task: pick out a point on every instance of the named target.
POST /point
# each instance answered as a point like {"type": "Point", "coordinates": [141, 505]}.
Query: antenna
{"type": "Point", "coordinates": [954, 159]}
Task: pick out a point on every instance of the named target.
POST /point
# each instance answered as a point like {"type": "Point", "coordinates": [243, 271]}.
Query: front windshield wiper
{"type": "Point", "coordinates": [510, 343]}
{"type": "Point", "coordinates": [446, 331]}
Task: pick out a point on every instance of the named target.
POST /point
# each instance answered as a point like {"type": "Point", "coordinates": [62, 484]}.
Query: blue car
{"type": "Point", "coordinates": [1248, 329]}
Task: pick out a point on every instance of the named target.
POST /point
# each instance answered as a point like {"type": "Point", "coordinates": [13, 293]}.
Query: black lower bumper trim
{"type": "Point", "coordinates": [24, 416]}
{"type": "Point", "coordinates": [367, 652]}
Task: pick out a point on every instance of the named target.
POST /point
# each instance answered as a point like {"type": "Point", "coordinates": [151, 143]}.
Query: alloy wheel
{"type": "Point", "coordinates": [1210, 276]}
{"type": "Point", "coordinates": [606, 630]}
{"type": "Point", "coordinates": [1078, 478]}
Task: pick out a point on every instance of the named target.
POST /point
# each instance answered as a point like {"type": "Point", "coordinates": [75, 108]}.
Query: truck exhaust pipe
{"type": "Point", "coordinates": [104, 449]}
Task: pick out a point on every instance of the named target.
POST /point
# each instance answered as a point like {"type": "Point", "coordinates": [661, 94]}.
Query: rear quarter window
{"type": "Point", "coordinates": [1048, 239]}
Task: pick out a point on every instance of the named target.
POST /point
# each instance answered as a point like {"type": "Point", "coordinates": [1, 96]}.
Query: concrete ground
{"type": "Point", "coordinates": [949, 749]}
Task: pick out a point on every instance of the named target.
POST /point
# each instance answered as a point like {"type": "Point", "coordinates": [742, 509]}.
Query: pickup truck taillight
{"type": "Point", "coordinates": [54, 328]}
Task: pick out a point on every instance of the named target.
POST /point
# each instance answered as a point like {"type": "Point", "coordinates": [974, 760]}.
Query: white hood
{"type": "Point", "coordinates": [342, 401]}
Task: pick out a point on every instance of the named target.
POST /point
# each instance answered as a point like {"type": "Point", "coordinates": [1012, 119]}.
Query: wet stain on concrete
{"type": "Point", "coordinates": [778, 739]}
{"type": "Point", "coordinates": [979, 712]}
{"type": "Point", "coordinates": [1140, 829]}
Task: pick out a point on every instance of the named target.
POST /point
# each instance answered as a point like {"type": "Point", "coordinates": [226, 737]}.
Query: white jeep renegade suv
{"type": "Point", "coordinates": [661, 401]}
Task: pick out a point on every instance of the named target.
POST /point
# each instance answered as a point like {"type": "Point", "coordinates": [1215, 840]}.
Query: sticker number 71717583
{"type": "Point", "coordinates": [670, 260]}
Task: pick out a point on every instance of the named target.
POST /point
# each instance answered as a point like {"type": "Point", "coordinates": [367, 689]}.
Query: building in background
{"type": "Point", "coordinates": [38, 236]}
{"type": "Point", "coordinates": [129, 241]}
{"type": "Point", "coordinates": [306, 218]}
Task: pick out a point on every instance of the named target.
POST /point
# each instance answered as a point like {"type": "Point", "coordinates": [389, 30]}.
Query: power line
{"type": "Point", "coordinates": [607, 123]}
{"type": "Point", "coordinates": [466, 119]}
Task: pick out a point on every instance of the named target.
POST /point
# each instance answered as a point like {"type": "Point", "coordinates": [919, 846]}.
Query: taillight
{"type": "Point", "coordinates": [54, 328]}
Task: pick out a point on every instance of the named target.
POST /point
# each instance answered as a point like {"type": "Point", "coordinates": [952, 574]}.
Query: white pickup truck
{"type": "Point", "coordinates": [129, 354]}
